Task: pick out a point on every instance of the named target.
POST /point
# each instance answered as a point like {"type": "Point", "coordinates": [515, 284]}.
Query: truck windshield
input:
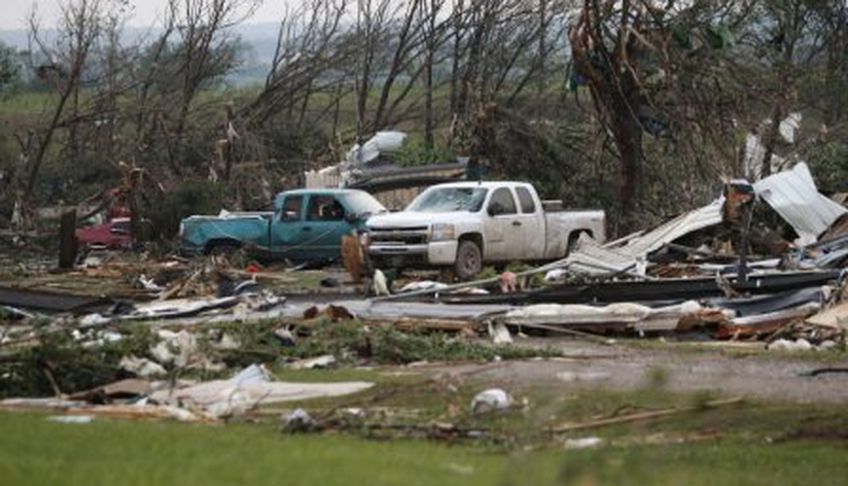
{"type": "Point", "coordinates": [364, 204]}
{"type": "Point", "coordinates": [449, 199]}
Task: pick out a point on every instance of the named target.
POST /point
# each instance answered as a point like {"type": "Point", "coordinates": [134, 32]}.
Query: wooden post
{"type": "Point", "coordinates": [67, 239]}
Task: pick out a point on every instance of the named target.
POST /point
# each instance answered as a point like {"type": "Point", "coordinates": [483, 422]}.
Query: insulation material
{"type": "Point", "coordinates": [639, 317]}
{"type": "Point", "coordinates": [249, 388]}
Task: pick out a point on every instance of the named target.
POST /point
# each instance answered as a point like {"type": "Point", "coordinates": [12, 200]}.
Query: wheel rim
{"type": "Point", "coordinates": [470, 262]}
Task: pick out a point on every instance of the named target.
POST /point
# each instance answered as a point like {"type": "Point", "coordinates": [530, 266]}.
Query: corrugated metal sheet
{"type": "Point", "coordinates": [591, 258]}
{"type": "Point", "coordinates": [793, 194]}
{"type": "Point", "coordinates": [682, 225]}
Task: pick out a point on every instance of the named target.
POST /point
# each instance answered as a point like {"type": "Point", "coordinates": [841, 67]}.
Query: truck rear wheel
{"type": "Point", "coordinates": [469, 260]}
{"type": "Point", "coordinates": [573, 238]}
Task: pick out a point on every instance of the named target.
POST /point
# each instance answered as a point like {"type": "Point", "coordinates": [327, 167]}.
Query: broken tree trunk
{"type": "Point", "coordinates": [68, 239]}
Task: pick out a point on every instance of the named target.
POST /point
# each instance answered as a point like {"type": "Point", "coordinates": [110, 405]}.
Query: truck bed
{"type": "Point", "coordinates": [562, 226]}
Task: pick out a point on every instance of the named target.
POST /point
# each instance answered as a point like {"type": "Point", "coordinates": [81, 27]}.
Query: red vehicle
{"type": "Point", "coordinates": [112, 235]}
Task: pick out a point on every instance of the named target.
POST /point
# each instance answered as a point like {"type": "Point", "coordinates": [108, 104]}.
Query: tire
{"type": "Point", "coordinates": [222, 248]}
{"type": "Point", "coordinates": [572, 241]}
{"type": "Point", "coordinates": [469, 260]}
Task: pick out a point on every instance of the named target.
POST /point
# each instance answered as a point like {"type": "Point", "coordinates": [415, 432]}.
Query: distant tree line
{"type": "Point", "coordinates": [639, 107]}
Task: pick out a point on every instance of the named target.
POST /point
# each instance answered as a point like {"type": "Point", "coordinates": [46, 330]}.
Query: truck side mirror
{"type": "Point", "coordinates": [494, 209]}
{"type": "Point", "coordinates": [351, 217]}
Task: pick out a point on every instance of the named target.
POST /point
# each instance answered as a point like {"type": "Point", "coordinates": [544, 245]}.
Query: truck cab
{"type": "Point", "coordinates": [306, 225]}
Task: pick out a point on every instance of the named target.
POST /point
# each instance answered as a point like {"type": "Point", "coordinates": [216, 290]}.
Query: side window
{"type": "Point", "coordinates": [526, 200]}
{"type": "Point", "coordinates": [502, 202]}
{"type": "Point", "coordinates": [324, 208]}
{"type": "Point", "coordinates": [121, 228]}
{"type": "Point", "coordinates": [291, 208]}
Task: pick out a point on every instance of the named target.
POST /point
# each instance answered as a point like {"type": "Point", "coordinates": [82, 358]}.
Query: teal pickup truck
{"type": "Point", "coordinates": [306, 225]}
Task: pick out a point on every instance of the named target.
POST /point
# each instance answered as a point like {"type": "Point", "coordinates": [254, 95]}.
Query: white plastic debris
{"type": "Point", "coordinates": [381, 286]}
{"type": "Point", "coordinates": [246, 390]}
{"type": "Point", "coordinates": [93, 320]}
{"type": "Point", "coordinates": [227, 342]}
{"type": "Point", "coordinates": [71, 419]}
{"type": "Point", "coordinates": [499, 333]}
{"type": "Point", "coordinates": [236, 403]}
{"type": "Point", "coordinates": [142, 367]}
{"type": "Point", "coordinates": [381, 142]}
{"type": "Point", "coordinates": [584, 443]}
{"type": "Point", "coordinates": [788, 345]}
{"type": "Point", "coordinates": [314, 363]}
{"type": "Point", "coordinates": [297, 421]}
{"type": "Point", "coordinates": [489, 400]}
{"type": "Point", "coordinates": [255, 373]}
{"type": "Point", "coordinates": [149, 284]}
{"type": "Point", "coordinates": [92, 261]}
{"type": "Point", "coordinates": [285, 336]}
{"type": "Point", "coordinates": [556, 275]}
{"type": "Point", "coordinates": [423, 285]}
{"type": "Point", "coordinates": [175, 347]}
{"type": "Point", "coordinates": [789, 126]}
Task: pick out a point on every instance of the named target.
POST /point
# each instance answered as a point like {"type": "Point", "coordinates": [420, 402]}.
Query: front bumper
{"type": "Point", "coordinates": [438, 253]}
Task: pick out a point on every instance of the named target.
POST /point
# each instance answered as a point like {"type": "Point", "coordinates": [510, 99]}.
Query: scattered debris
{"type": "Point", "coordinates": [324, 361]}
{"type": "Point", "coordinates": [380, 285]}
{"type": "Point", "coordinates": [298, 421]}
{"type": "Point", "coordinates": [787, 345]}
{"type": "Point", "coordinates": [499, 333]}
{"type": "Point", "coordinates": [490, 400]}
{"type": "Point", "coordinates": [584, 443]}
{"type": "Point", "coordinates": [71, 419]}
{"type": "Point", "coordinates": [248, 389]}
{"type": "Point", "coordinates": [643, 416]}
{"type": "Point", "coordinates": [142, 367]}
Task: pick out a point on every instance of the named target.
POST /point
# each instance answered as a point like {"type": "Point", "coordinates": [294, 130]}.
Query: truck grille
{"type": "Point", "coordinates": [400, 236]}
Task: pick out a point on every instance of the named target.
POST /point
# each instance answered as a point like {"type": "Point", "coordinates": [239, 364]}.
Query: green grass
{"type": "Point", "coordinates": [25, 102]}
{"type": "Point", "coordinates": [34, 451]}
{"type": "Point", "coordinates": [756, 349]}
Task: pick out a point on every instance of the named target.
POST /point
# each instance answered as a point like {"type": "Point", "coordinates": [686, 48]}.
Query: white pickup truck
{"type": "Point", "coordinates": [466, 224]}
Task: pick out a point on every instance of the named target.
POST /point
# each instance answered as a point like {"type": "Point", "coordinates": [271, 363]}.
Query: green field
{"type": "Point", "coordinates": [34, 451]}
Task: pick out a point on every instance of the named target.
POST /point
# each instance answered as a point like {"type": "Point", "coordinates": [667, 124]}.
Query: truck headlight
{"type": "Point", "coordinates": [442, 232]}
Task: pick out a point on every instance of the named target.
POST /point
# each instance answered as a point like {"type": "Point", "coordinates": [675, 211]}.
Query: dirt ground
{"type": "Point", "coordinates": [747, 371]}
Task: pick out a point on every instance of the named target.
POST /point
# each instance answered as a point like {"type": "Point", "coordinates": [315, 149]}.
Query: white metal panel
{"type": "Point", "coordinates": [793, 194]}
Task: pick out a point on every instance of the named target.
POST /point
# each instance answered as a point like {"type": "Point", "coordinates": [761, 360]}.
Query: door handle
{"type": "Point", "coordinates": [516, 223]}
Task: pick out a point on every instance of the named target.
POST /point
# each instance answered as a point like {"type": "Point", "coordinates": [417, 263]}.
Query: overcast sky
{"type": "Point", "coordinates": [13, 13]}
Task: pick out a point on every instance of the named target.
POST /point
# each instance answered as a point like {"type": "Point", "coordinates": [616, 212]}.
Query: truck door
{"type": "Point", "coordinates": [502, 211]}
{"type": "Point", "coordinates": [287, 229]}
{"type": "Point", "coordinates": [526, 238]}
{"type": "Point", "coordinates": [324, 226]}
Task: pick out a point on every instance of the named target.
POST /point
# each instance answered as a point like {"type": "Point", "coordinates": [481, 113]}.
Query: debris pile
{"type": "Point", "coordinates": [762, 262]}
{"type": "Point", "coordinates": [128, 335]}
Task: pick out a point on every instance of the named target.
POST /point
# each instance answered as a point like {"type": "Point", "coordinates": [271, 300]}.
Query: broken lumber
{"type": "Point", "coordinates": [643, 416]}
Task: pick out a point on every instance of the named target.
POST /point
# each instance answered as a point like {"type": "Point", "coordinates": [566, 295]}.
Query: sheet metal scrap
{"type": "Point", "coordinates": [794, 196]}
{"type": "Point", "coordinates": [48, 301]}
{"type": "Point", "coordinates": [655, 290]}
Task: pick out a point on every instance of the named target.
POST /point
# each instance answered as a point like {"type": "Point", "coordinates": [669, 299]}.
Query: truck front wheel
{"type": "Point", "coordinates": [222, 248]}
{"type": "Point", "coordinates": [469, 260]}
